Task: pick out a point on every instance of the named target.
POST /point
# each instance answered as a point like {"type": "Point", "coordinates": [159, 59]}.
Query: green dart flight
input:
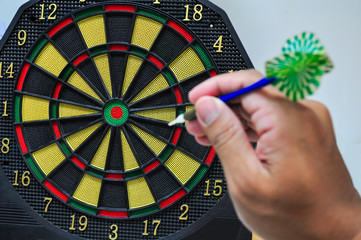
{"type": "Point", "coordinates": [300, 67]}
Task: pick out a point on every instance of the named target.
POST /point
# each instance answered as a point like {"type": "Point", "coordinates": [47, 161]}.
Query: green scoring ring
{"type": "Point", "coordinates": [109, 115]}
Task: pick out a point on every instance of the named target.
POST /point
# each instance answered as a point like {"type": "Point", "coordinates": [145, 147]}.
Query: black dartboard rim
{"type": "Point", "coordinates": [108, 48]}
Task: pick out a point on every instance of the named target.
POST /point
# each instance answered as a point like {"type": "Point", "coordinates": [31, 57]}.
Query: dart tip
{"type": "Point", "coordinates": [180, 119]}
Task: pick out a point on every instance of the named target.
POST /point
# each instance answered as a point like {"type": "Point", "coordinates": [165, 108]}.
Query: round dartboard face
{"type": "Point", "coordinates": [85, 139]}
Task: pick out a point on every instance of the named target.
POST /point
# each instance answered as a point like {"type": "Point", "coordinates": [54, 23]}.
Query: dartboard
{"type": "Point", "coordinates": [88, 91]}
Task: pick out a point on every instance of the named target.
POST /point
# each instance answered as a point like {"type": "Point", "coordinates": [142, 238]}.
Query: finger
{"type": "Point", "coordinates": [225, 132]}
{"type": "Point", "coordinates": [265, 107]}
{"type": "Point", "coordinates": [241, 114]}
{"type": "Point", "coordinates": [224, 84]}
{"type": "Point", "coordinates": [195, 129]}
{"type": "Point", "coordinates": [203, 141]}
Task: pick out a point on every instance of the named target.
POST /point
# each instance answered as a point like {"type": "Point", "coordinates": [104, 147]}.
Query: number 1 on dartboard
{"type": "Point", "coordinates": [5, 109]}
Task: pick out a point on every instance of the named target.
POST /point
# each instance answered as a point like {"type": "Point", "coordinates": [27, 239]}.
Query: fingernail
{"type": "Point", "coordinates": [208, 110]}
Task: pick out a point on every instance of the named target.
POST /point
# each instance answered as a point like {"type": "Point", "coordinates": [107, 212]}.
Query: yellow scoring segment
{"type": "Point", "coordinates": [30, 104]}
{"type": "Point", "coordinates": [154, 143]}
{"type": "Point", "coordinates": [183, 166]}
{"type": "Point", "coordinates": [157, 85]}
{"type": "Point", "coordinates": [78, 138]}
{"type": "Point", "coordinates": [49, 158]}
{"type": "Point", "coordinates": [93, 30]}
{"type": "Point", "coordinates": [187, 65]}
{"type": "Point", "coordinates": [130, 163]}
{"type": "Point", "coordinates": [189, 108]}
{"type": "Point", "coordinates": [133, 66]}
{"type": "Point", "coordinates": [77, 81]}
{"type": "Point", "coordinates": [88, 190]}
{"type": "Point", "coordinates": [165, 114]}
{"type": "Point", "coordinates": [102, 63]}
{"type": "Point", "coordinates": [51, 60]}
{"type": "Point", "coordinates": [139, 194]}
{"type": "Point", "coordinates": [68, 110]}
{"type": "Point", "coordinates": [145, 32]}
{"type": "Point", "coordinates": [100, 157]}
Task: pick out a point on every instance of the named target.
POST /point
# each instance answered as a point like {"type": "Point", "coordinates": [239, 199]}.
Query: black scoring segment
{"type": "Point", "coordinates": [69, 41]}
{"type": "Point", "coordinates": [162, 130]}
{"type": "Point", "coordinates": [39, 82]}
{"type": "Point", "coordinates": [162, 183]}
{"type": "Point", "coordinates": [117, 62]}
{"type": "Point", "coordinates": [118, 25]}
{"type": "Point", "coordinates": [115, 156]}
{"type": "Point", "coordinates": [189, 84]}
{"type": "Point", "coordinates": [169, 45]}
{"type": "Point", "coordinates": [188, 143]}
{"type": "Point", "coordinates": [67, 177]}
{"type": "Point", "coordinates": [163, 98]}
{"type": "Point", "coordinates": [147, 73]}
{"type": "Point", "coordinates": [113, 195]}
{"type": "Point", "coordinates": [144, 155]}
{"type": "Point", "coordinates": [89, 70]}
{"type": "Point", "coordinates": [87, 151]}
{"type": "Point", "coordinates": [39, 134]}
{"type": "Point", "coordinates": [76, 124]}
{"type": "Point", "coordinates": [76, 96]}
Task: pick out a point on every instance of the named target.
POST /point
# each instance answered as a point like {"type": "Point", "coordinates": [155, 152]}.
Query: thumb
{"type": "Point", "coordinates": [225, 132]}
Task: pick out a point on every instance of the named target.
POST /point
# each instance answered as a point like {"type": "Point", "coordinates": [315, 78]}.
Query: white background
{"type": "Point", "coordinates": [264, 25]}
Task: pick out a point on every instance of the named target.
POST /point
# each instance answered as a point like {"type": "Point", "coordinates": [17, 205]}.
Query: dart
{"type": "Point", "coordinates": [297, 72]}
{"type": "Point", "coordinates": [300, 67]}
{"type": "Point", "coordinates": [191, 115]}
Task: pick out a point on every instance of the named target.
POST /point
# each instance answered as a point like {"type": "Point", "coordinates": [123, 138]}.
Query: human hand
{"type": "Point", "coordinates": [294, 185]}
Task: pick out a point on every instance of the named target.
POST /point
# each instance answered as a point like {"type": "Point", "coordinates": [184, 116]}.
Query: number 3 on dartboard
{"type": "Point", "coordinates": [114, 229]}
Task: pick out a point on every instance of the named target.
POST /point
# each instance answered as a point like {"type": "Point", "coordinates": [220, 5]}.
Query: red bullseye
{"type": "Point", "coordinates": [116, 112]}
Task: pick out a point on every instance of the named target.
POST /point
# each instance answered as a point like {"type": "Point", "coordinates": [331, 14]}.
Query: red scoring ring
{"type": "Point", "coordinates": [117, 112]}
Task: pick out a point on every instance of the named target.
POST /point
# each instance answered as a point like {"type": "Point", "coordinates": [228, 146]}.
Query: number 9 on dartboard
{"type": "Point", "coordinates": [87, 89]}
